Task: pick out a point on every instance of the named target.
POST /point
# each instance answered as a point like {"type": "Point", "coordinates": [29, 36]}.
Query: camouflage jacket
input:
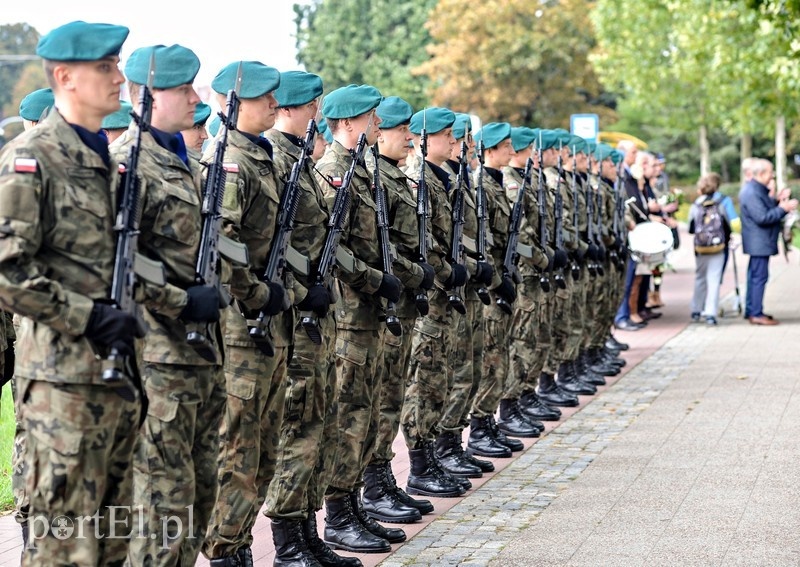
{"type": "Point", "coordinates": [577, 199]}
{"type": "Point", "coordinates": [498, 212]}
{"type": "Point", "coordinates": [57, 248]}
{"type": "Point", "coordinates": [558, 184]}
{"type": "Point", "coordinates": [171, 197]}
{"type": "Point", "coordinates": [249, 215]}
{"type": "Point", "coordinates": [529, 227]}
{"type": "Point", "coordinates": [358, 307]}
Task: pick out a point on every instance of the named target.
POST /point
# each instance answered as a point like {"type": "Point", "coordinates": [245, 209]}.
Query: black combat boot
{"type": "Point", "coordinates": [245, 555]}
{"type": "Point", "coordinates": [322, 553]}
{"type": "Point", "coordinates": [229, 561]}
{"type": "Point", "coordinates": [581, 369]}
{"type": "Point", "coordinates": [551, 394]}
{"type": "Point", "coordinates": [423, 478]}
{"type": "Point", "coordinates": [485, 466]}
{"type": "Point", "coordinates": [461, 481]}
{"type": "Point", "coordinates": [451, 457]}
{"type": "Point", "coordinates": [610, 356]}
{"type": "Point", "coordinates": [482, 441]}
{"type": "Point", "coordinates": [381, 503]}
{"type": "Point", "coordinates": [513, 444]}
{"type": "Point", "coordinates": [599, 365]}
{"type": "Point", "coordinates": [291, 549]}
{"type": "Point", "coordinates": [512, 422]}
{"type": "Point", "coordinates": [344, 531]}
{"type": "Point", "coordinates": [613, 343]}
{"type": "Point", "coordinates": [533, 408]}
{"type": "Point", "coordinates": [392, 535]}
{"type": "Point", "coordinates": [570, 382]}
{"type": "Point", "coordinates": [424, 506]}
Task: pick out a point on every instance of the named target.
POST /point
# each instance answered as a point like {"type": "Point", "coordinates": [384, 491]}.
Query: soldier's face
{"type": "Point", "coordinates": [173, 109]}
{"type": "Point", "coordinates": [94, 85]}
{"type": "Point", "coordinates": [440, 146]}
{"type": "Point", "coordinates": [501, 154]}
{"type": "Point", "coordinates": [258, 114]}
{"type": "Point", "coordinates": [608, 170]}
{"type": "Point", "coordinates": [582, 161]}
{"type": "Point", "coordinates": [393, 142]}
{"type": "Point", "coordinates": [195, 136]}
{"type": "Point", "coordinates": [550, 157]}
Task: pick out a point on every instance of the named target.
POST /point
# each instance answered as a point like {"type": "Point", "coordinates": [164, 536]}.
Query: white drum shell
{"type": "Point", "coordinates": [650, 242]}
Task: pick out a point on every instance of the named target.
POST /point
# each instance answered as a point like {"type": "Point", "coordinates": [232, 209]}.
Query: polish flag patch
{"type": "Point", "coordinates": [231, 167]}
{"type": "Point", "coordinates": [122, 168]}
{"type": "Point", "coordinates": [25, 165]}
{"type": "Point", "coordinates": [336, 181]}
{"type": "Point", "coordinates": [513, 186]}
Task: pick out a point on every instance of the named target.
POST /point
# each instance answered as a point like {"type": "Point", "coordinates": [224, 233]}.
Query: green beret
{"type": "Point", "coordinates": [201, 113]}
{"type": "Point", "coordinates": [322, 127]}
{"type": "Point", "coordinates": [603, 152]}
{"type": "Point", "coordinates": [257, 79]}
{"type": "Point", "coordinates": [298, 88]}
{"type": "Point", "coordinates": [590, 146]}
{"type": "Point", "coordinates": [462, 125]}
{"type": "Point", "coordinates": [350, 101]}
{"type": "Point", "coordinates": [577, 145]}
{"type": "Point", "coordinates": [563, 138]}
{"type": "Point", "coordinates": [80, 41]}
{"type": "Point", "coordinates": [522, 137]}
{"type": "Point", "coordinates": [394, 111]}
{"type": "Point", "coordinates": [175, 66]}
{"type": "Point", "coordinates": [213, 126]}
{"type": "Point", "coordinates": [434, 119]}
{"type": "Point", "coordinates": [119, 119]}
{"type": "Point", "coordinates": [617, 156]}
{"type": "Point", "coordinates": [35, 104]}
{"type": "Point", "coordinates": [493, 133]}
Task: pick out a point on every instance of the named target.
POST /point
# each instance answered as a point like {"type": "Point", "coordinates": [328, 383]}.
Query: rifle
{"type": "Point", "coordinates": [212, 244]}
{"type": "Point", "coordinates": [128, 263]}
{"type": "Point", "coordinates": [511, 256]}
{"type": "Point", "coordinates": [382, 214]}
{"type": "Point", "coordinates": [480, 206]}
{"type": "Point", "coordinates": [260, 332]}
{"type": "Point", "coordinates": [574, 267]}
{"type": "Point", "coordinates": [591, 264]}
{"type": "Point", "coordinates": [544, 280]}
{"type": "Point", "coordinates": [456, 245]}
{"type": "Point", "coordinates": [421, 298]}
{"type": "Point", "coordinates": [327, 261]}
{"type": "Point", "coordinates": [598, 231]}
{"type": "Point", "coordinates": [558, 228]}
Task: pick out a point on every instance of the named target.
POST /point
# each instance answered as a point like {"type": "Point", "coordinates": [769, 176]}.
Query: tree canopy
{"type": "Point", "coordinates": [18, 75]}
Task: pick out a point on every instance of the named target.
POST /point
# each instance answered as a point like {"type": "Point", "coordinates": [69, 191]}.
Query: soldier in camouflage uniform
{"type": "Point", "coordinates": [255, 380]}
{"type": "Point", "coordinates": [309, 432]}
{"type": "Point", "coordinates": [383, 499]}
{"type": "Point", "coordinates": [174, 467]}
{"type": "Point", "coordinates": [57, 189]}
{"type": "Point", "coordinates": [350, 112]}
{"type": "Point", "coordinates": [430, 373]}
{"type": "Point", "coordinates": [195, 137]}
{"type": "Point", "coordinates": [468, 346]}
{"type": "Point", "coordinates": [525, 355]}
{"type": "Point", "coordinates": [485, 438]}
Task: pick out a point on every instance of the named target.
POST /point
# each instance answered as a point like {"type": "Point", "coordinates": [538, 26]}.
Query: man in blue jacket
{"type": "Point", "coordinates": [761, 224]}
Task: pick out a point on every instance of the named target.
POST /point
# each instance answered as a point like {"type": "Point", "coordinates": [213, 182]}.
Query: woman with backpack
{"type": "Point", "coordinates": [710, 224]}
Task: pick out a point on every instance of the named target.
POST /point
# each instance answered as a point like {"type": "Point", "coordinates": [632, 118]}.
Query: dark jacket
{"type": "Point", "coordinates": [761, 220]}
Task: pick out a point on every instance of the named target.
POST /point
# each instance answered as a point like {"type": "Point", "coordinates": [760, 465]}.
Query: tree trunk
{"type": "Point", "coordinates": [746, 149]}
{"type": "Point", "coordinates": [705, 152]}
{"type": "Point", "coordinates": [780, 152]}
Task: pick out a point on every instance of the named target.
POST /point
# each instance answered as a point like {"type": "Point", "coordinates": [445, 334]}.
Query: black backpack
{"type": "Point", "coordinates": [709, 228]}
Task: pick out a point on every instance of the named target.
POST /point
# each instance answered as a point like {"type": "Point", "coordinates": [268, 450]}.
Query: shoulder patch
{"type": "Point", "coordinates": [122, 168]}
{"type": "Point", "coordinates": [513, 186]}
{"type": "Point", "coordinates": [336, 181]}
{"type": "Point", "coordinates": [25, 165]}
{"type": "Point", "coordinates": [231, 167]}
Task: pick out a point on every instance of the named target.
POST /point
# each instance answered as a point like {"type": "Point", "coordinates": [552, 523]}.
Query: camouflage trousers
{"type": "Point", "coordinates": [559, 326]}
{"type": "Point", "coordinates": [596, 321]}
{"type": "Point", "coordinates": [250, 434]}
{"type": "Point", "coordinates": [175, 465]}
{"type": "Point", "coordinates": [310, 431]}
{"type": "Point", "coordinates": [18, 463]}
{"type": "Point", "coordinates": [525, 356]}
{"type": "Point", "coordinates": [358, 356]}
{"type": "Point", "coordinates": [577, 318]}
{"type": "Point", "coordinates": [430, 375]}
{"type": "Point", "coordinates": [79, 447]}
{"type": "Point", "coordinates": [393, 389]}
{"type": "Point", "coordinates": [468, 362]}
{"type": "Point", "coordinates": [495, 361]}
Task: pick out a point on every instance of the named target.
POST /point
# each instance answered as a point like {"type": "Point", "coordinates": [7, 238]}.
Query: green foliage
{"type": "Point", "coordinates": [15, 39]}
{"type": "Point", "coordinates": [7, 427]}
{"type": "Point", "coordinates": [376, 42]}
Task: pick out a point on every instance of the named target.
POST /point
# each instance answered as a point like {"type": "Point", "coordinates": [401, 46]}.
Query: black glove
{"type": "Point", "coordinates": [457, 277]}
{"type": "Point", "coordinates": [109, 327]}
{"type": "Point", "coordinates": [278, 299]}
{"type": "Point", "coordinates": [549, 262]}
{"type": "Point", "coordinates": [507, 290]}
{"type": "Point", "coordinates": [318, 299]}
{"type": "Point", "coordinates": [560, 259]}
{"type": "Point", "coordinates": [202, 304]}
{"type": "Point", "coordinates": [427, 279]}
{"type": "Point", "coordinates": [484, 273]}
{"type": "Point", "coordinates": [578, 254]}
{"type": "Point", "coordinates": [593, 253]}
{"type": "Point", "coordinates": [390, 288]}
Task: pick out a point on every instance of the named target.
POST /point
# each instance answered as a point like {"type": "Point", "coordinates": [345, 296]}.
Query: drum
{"type": "Point", "coordinates": [650, 242]}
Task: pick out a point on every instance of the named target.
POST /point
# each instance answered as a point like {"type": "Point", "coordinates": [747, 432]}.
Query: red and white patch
{"type": "Point", "coordinates": [336, 181]}
{"type": "Point", "coordinates": [25, 165]}
{"type": "Point", "coordinates": [231, 167]}
{"type": "Point", "coordinates": [122, 168]}
{"type": "Point", "coordinates": [513, 186]}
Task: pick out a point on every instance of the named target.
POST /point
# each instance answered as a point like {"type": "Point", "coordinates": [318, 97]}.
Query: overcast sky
{"type": "Point", "coordinates": [247, 30]}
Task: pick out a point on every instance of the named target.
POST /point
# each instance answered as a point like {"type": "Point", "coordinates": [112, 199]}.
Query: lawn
{"type": "Point", "coordinates": [6, 443]}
